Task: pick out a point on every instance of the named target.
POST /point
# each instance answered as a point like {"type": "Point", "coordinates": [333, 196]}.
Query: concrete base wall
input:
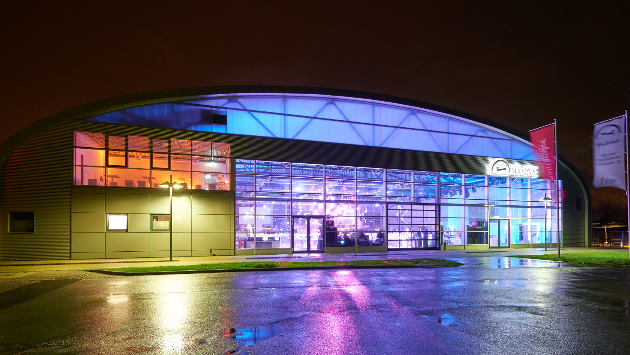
{"type": "Point", "coordinates": [346, 250]}
{"type": "Point", "coordinates": [264, 251]}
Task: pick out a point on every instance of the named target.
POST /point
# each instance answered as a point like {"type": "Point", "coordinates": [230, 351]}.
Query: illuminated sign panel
{"type": "Point", "coordinates": [502, 167]}
{"type": "Point", "coordinates": [116, 222]}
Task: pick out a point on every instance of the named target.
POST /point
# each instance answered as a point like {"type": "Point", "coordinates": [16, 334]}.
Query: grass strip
{"type": "Point", "coordinates": [428, 262]}
{"type": "Point", "coordinates": [599, 258]}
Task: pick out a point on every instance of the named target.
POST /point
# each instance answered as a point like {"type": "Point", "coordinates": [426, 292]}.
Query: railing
{"type": "Point", "coordinates": [609, 239]}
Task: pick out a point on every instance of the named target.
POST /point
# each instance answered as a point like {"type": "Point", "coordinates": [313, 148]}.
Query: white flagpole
{"type": "Point", "coordinates": [627, 179]}
{"type": "Point", "coordinates": [555, 141]}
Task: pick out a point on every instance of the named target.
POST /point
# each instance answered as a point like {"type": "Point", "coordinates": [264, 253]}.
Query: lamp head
{"type": "Point", "coordinates": [170, 184]}
{"type": "Point", "coordinates": [545, 199]}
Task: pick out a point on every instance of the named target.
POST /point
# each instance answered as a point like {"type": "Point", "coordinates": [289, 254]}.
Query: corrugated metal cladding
{"type": "Point", "coordinates": [37, 178]}
{"type": "Point", "coordinates": [576, 224]}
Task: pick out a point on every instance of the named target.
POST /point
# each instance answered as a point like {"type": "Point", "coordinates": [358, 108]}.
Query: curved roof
{"type": "Point", "coordinates": [328, 118]}
{"type": "Point", "coordinates": [316, 114]}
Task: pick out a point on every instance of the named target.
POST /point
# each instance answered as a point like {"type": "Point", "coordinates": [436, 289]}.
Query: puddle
{"type": "Point", "coordinates": [247, 336]}
{"type": "Point", "coordinates": [519, 262]}
{"type": "Point", "coordinates": [447, 320]}
{"type": "Point", "coordinates": [253, 335]}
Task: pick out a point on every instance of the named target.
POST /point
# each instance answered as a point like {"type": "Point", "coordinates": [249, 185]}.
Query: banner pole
{"type": "Point", "coordinates": [627, 181]}
{"type": "Point", "coordinates": [555, 141]}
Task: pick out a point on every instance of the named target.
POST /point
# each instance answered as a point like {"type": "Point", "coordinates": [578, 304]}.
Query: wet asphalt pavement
{"type": "Point", "coordinates": [492, 305]}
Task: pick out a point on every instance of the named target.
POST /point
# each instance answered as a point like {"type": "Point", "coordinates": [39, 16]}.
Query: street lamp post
{"type": "Point", "coordinates": [171, 185]}
{"type": "Point", "coordinates": [488, 221]}
{"type": "Point", "coordinates": [545, 200]}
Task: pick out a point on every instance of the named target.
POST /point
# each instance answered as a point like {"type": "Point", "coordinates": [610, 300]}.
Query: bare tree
{"type": "Point", "coordinates": [610, 210]}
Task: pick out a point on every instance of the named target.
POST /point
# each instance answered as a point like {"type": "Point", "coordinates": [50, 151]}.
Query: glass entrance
{"type": "Point", "coordinates": [499, 233]}
{"type": "Point", "coordinates": [306, 234]}
{"type": "Point", "coordinates": [413, 226]}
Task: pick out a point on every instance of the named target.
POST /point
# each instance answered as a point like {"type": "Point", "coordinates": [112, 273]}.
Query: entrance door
{"type": "Point", "coordinates": [307, 234]}
{"type": "Point", "coordinates": [499, 233]}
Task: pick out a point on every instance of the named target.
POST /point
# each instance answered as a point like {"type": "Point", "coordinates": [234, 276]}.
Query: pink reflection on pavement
{"type": "Point", "coordinates": [311, 291]}
{"type": "Point", "coordinates": [332, 330]}
{"type": "Point", "coordinates": [349, 283]}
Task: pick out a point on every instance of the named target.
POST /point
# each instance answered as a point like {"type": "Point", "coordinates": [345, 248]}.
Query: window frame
{"type": "Point", "coordinates": [163, 147]}
{"type": "Point", "coordinates": [152, 229]}
{"type": "Point", "coordinates": [107, 163]}
{"type": "Point", "coordinates": [108, 229]}
{"type": "Point", "coordinates": [11, 218]}
{"type": "Point", "coordinates": [168, 160]}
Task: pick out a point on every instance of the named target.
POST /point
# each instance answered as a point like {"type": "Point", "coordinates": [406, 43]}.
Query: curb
{"type": "Point", "coordinates": [214, 271]}
{"type": "Point", "coordinates": [91, 263]}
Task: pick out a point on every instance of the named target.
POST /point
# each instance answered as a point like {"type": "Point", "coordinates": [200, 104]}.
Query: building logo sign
{"type": "Point", "coordinates": [501, 167]}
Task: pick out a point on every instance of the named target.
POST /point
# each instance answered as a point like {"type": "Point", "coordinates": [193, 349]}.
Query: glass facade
{"type": "Point", "coordinates": [399, 209]}
{"type": "Point", "coordinates": [323, 118]}
{"type": "Point", "coordinates": [306, 207]}
{"type": "Point", "coordinates": [134, 162]}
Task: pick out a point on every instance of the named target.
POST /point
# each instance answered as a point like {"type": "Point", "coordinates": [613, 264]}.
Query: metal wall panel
{"type": "Point", "coordinates": [202, 222]}
{"type": "Point", "coordinates": [576, 223]}
{"type": "Point", "coordinates": [37, 178]}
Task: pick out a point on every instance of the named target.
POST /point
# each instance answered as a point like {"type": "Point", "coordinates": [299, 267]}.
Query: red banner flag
{"type": "Point", "coordinates": [543, 140]}
{"type": "Point", "coordinates": [544, 147]}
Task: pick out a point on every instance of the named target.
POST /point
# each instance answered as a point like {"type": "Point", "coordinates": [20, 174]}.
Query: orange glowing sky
{"type": "Point", "coordinates": [518, 63]}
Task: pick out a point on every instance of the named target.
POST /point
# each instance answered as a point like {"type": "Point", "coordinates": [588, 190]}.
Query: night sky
{"type": "Point", "coordinates": [518, 63]}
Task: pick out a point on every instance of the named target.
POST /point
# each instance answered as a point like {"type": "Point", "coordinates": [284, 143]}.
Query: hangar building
{"type": "Point", "coordinates": [275, 170]}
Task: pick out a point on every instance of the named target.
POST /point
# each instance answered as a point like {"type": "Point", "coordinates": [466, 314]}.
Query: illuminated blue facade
{"type": "Point", "coordinates": [332, 119]}
{"type": "Point", "coordinates": [269, 196]}
{"type": "Point", "coordinates": [278, 170]}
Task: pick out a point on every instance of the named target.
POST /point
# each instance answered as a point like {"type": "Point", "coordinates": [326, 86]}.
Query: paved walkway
{"type": "Point", "coordinates": [54, 268]}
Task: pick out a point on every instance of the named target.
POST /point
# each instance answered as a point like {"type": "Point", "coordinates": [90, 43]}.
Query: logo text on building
{"type": "Point", "coordinates": [503, 168]}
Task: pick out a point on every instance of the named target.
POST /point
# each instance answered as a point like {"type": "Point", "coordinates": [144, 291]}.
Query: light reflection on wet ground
{"type": "Point", "coordinates": [505, 262]}
{"type": "Point", "coordinates": [495, 304]}
{"type": "Point", "coordinates": [480, 258]}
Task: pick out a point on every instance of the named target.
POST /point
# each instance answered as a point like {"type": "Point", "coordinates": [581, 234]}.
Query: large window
{"type": "Point", "coordinates": [401, 209]}
{"type": "Point", "coordinates": [354, 201]}
{"type": "Point", "coordinates": [412, 226]}
{"type": "Point", "coordinates": [136, 161]}
{"type": "Point", "coordinates": [469, 204]}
